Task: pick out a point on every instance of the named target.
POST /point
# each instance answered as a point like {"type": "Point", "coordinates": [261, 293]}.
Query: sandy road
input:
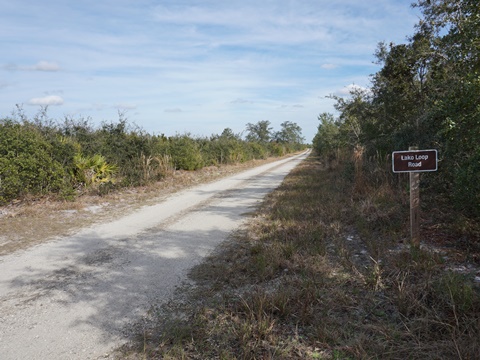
{"type": "Point", "coordinates": [76, 297]}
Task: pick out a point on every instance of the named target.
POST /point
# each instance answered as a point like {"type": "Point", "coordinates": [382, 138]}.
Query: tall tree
{"type": "Point", "coordinates": [453, 28]}
{"type": "Point", "coordinates": [260, 132]}
{"type": "Point", "coordinates": [327, 139]}
{"type": "Point", "coordinates": [400, 92]}
{"type": "Point", "coordinates": [290, 133]}
{"type": "Point", "coordinates": [427, 93]}
{"type": "Point", "coordinates": [228, 133]}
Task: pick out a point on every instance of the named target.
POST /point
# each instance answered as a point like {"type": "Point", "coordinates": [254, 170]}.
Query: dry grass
{"type": "Point", "coordinates": [321, 272]}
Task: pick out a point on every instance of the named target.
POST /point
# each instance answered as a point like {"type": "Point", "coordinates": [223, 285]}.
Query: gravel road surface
{"type": "Point", "coordinates": [76, 297]}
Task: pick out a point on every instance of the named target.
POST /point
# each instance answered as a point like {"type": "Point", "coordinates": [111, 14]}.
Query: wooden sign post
{"type": "Point", "coordinates": [415, 208]}
{"type": "Point", "coordinates": [414, 161]}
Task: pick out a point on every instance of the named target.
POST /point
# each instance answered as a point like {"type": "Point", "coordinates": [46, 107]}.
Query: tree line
{"type": "Point", "coordinates": [41, 156]}
{"type": "Point", "coordinates": [426, 94]}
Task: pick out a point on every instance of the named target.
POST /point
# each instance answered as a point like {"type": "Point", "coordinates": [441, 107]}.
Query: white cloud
{"type": "Point", "coordinates": [173, 110]}
{"type": "Point", "coordinates": [245, 23]}
{"type": "Point", "coordinates": [296, 106]}
{"type": "Point", "coordinates": [47, 100]}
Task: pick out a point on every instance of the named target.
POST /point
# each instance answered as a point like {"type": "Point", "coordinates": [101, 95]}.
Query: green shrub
{"type": "Point", "coordinates": [27, 163]}
{"type": "Point", "coordinates": [93, 170]}
{"type": "Point", "coordinates": [42, 156]}
{"type": "Point", "coordinates": [278, 149]}
{"type": "Point", "coordinates": [185, 153]}
{"type": "Point", "coordinates": [257, 150]}
{"type": "Point", "coordinates": [223, 150]}
{"type": "Point", "coordinates": [145, 169]}
{"type": "Point", "coordinates": [466, 190]}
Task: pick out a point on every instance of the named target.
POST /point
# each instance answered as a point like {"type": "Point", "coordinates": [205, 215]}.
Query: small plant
{"type": "Point", "coordinates": [93, 170]}
{"type": "Point", "coordinates": [165, 165]}
{"type": "Point", "coordinates": [457, 293]}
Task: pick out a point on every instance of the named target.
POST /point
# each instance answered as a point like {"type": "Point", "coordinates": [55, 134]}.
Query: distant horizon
{"type": "Point", "coordinates": [195, 67]}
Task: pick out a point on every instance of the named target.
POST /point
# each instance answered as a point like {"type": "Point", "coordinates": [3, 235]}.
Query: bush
{"type": "Point", "coordinates": [185, 153]}
{"type": "Point", "coordinates": [145, 169]}
{"type": "Point", "coordinates": [466, 190]}
{"type": "Point", "coordinates": [93, 170]}
{"type": "Point", "coordinates": [278, 149]}
{"type": "Point", "coordinates": [223, 150]}
{"type": "Point", "coordinates": [28, 164]}
{"type": "Point", "coordinates": [256, 151]}
{"type": "Point", "coordinates": [41, 156]}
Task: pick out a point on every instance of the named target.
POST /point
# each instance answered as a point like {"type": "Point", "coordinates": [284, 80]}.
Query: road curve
{"type": "Point", "coordinates": [76, 297]}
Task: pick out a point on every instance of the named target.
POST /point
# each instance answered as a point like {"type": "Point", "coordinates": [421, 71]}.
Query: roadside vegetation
{"type": "Point", "coordinates": [426, 94]}
{"type": "Point", "coordinates": [65, 159]}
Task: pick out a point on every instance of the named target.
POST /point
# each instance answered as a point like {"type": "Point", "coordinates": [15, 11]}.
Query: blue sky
{"type": "Point", "coordinates": [192, 66]}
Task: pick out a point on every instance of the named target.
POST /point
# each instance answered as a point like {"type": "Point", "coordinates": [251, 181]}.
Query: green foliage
{"type": "Point", "coordinates": [41, 156]}
{"type": "Point", "coordinates": [256, 151]}
{"type": "Point", "coordinates": [466, 190]}
{"type": "Point", "coordinates": [227, 148]}
{"type": "Point", "coordinates": [93, 170]}
{"type": "Point", "coordinates": [278, 149]}
{"type": "Point", "coordinates": [290, 133]}
{"type": "Point", "coordinates": [185, 152]}
{"type": "Point", "coordinates": [146, 169]}
{"type": "Point", "coordinates": [27, 162]}
{"type": "Point", "coordinates": [260, 132]}
{"type": "Point", "coordinates": [426, 94]}
{"type": "Point", "coordinates": [327, 140]}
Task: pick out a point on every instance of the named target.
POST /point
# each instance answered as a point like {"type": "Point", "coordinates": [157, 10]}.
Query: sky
{"type": "Point", "coordinates": [191, 66]}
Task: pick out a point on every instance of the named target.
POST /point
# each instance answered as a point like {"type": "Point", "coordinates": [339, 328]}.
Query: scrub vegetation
{"type": "Point", "coordinates": [68, 158]}
{"type": "Point", "coordinates": [427, 94]}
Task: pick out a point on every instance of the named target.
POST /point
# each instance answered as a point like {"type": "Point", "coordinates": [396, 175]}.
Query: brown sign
{"type": "Point", "coordinates": [414, 161]}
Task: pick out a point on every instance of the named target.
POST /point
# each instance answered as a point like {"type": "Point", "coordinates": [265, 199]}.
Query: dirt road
{"type": "Point", "coordinates": [76, 297]}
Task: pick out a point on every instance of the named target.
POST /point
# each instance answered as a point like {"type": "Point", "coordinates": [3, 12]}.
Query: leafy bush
{"type": "Point", "coordinates": [42, 156]}
{"type": "Point", "coordinates": [466, 190]}
{"type": "Point", "coordinates": [256, 151]}
{"type": "Point", "coordinates": [223, 150]}
{"type": "Point", "coordinates": [93, 170]}
{"type": "Point", "coordinates": [27, 162]}
{"type": "Point", "coordinates": [145, 169]}
{"type": "Point", "coordinates": [278, 149]}
{"type": "Point", "coordinates": [185, 153]}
